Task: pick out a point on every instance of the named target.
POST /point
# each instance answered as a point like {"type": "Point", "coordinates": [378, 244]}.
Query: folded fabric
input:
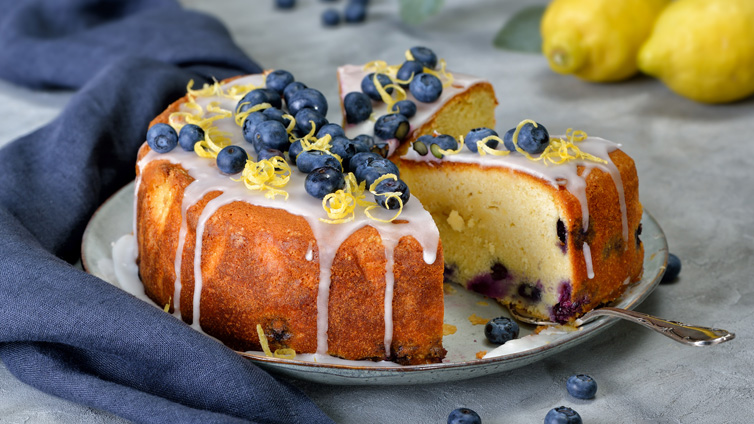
{"type": "Point", "coordinates": [66, 332]}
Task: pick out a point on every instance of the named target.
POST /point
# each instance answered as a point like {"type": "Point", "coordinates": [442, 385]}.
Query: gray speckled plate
{"type": "Point", "coordinates": [115, 218]}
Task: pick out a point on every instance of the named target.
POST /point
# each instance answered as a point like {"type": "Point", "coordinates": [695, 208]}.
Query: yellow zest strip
{"type": "Point", "coordinates": [214, 141]}
{"type": "Point", "coordinates": [291, 123]}
{"type": "Point", "coordinates": [392, 194]}
{"type": "Point", "coordinates": [263, 341]}
{"type": "Point", "coordinates": [241, 116]}
{"type": "Point", "coordinates": [515, 138]}
{"type": "Point", "coordinates": [206, 90]}
{"type": "Point", "coordinates": [285, 353]}
{"type": "Point", "coordinates": [341, 205]}
{"type": "Point", "coordinates": [379, 66]}
{"type": "Point", "coordinates": [400, 93]}
{"type": "Point", "coordinates": [167, 305]}
{"type": "Point", "coordinates": [563, 150]}
{"type": "Point", "coordinates": [214, 107]}
{"type": "Point", "coordinates": [409, 56]}
{"type": "Point", "coordinates": [267, 175]}
{"type": "Point", "coordinates": [484, 148]}
{"type": "Point", "coordinates": [236, 92]}
{"type": "Point", "coordinates": [461, 143]}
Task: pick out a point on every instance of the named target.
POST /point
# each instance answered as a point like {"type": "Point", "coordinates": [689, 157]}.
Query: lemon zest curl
{"type": "Point", "coordinates": [268, 175]}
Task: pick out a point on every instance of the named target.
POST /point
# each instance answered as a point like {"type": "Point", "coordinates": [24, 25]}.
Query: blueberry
{"type": "Point", "coordinates": [464, 416]}
{"type": "Point", "coordinates": [672, 270]}
{"type": "Point", "coordinates": [409, 70]}
{"type": "Point", "coordinates": [292, 88]}
{"type": "Point", "coordinates": [433, 143]}
{"type": "Point", "coordinates": [374, 169]}
{"type": "Point", "coordinates": [500, 330]}
{"type": "Point", "coordinates": [279, 79]}
{"type": "Point", "coordinates": [308, 161]}
{"type": "Point", "coordinates": [323, 181]}
{"type": "Point", "coordinates": [477, 134]}
{"type": "Point", "coordinates": [424, 55]}
{"type": "Point", "coordinates": [389, 185]}
{"type": "Point", "coordinates": [392, 126]}
{"type": "Point", "coordinates": [355, 12]}
{"type": "Point", "coordinates": [275, 114]}
{"type": "Point", "coordinates": [346, 148]}
{"type": "Point", "coordinates": [270, 135]}
{"type": "Point", "coordinates": [362, 159]}
{"type": "Point", "coordinates": [285, 4]}
{"type": "Point", "coordinates": [231, 160]}
{"type": "Point", "coordinates": [358, 107]}
{"type": "Point", "coordinates": [530, 139]}
{"type": "Point", "coordinates": [294, 151]}
{"type": "Point", "coordinates": [305, 118]}
{"type": "Point", "coordinates": [267, 154]}
{"type": "Point", "coordinates": [330, 17]}
{"type": "Point", "coordinates": [368, 87]}
{"type": "Point", "coordinates": [334, 130]}
{"type": "Point", "coordinates": [426, 88]}
{"type": "Point", "coordinates": [307, 98]}
{"type": "Point", "coordinates": [190, 134]}
{"type": "Point", "coordinates": [250, 124]}
{"type": "Point", "coordinates": [258, 96]}
{"type": "Point", "coordinates": [406, 108]}
{"type": "Point", "coordinates": [562, 415]}
{"type": "Point", "coordinates": [581, 386]}
{"type": "Point", "coordinates": [366, 140]}
{"type": "Point", "coordinates": [162, 138]}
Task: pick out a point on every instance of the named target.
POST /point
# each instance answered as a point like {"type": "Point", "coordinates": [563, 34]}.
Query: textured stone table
{"type": "Point", "coordinates": [696, 166]}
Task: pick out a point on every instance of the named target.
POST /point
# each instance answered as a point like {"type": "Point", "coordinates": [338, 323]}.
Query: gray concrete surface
{"type": "Point", "coordinates": [695, 164]}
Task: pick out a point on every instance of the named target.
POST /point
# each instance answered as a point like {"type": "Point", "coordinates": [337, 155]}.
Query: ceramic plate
{"type": "Point", "coordinates": [115, 219]}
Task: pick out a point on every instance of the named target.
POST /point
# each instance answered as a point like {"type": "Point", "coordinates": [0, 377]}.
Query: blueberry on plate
{"type": "Point", "coordinates": [307, 98]}
{"type": "Point", "coordinates": [562, 415]}
{"type": "Point", "coordinates": [189, 135]}
{"type": "Point", "coordinates": [531, 139]}
{"type": "Point", "coordinates": [408, 70]}
{"type": "Point", "coordinates": [278, 79]}
{"type": "Point", "coordinates": [250, 125]}
{"type": "Point", "coordinates": [270, 135]}
{"type": "Point", "coordinates": [305, 118]}
{"type": "Point", "coordinates": [358, 107]}
{"type": "Point", "coordinates": [355, 12]}
{"type": "Point", "coordinates": [267, 154]}
{"type": "Point", "coordinates": [464, 416]}
{"type": "Point", "coordinates": [285, 4]}
{"type": "Point", "coordinates": [389, 185]}
{"type": "Point", "coordinates": [259, 96]}
{"type": "Point", "coordinates": [500, 330]}
{"type": "Point", "coordinates": [362, 159]}
{"type": "Point", "coordinates": [292, 88]}
{"type": "Point", "coordinates": [478, 134]}
{"type": "Point", "coordinates": [231, 160]}
{"type": "Point", "coordinates": [406, 108]}
{"type": "Point", "coordinates": [424, 56]}
{"type": "Point", "coordinates": [390, 126]}
{"type": "Point", "coordinates": [309, 160]}
{"type": "Point", "coordinates": [334, 130]}
{"type": "Point", "coordinates": [369, 88]}
{"type": "Point", "coordinates": [330, 17]}
{"type": "Point", "coordinates": [672, 270]}
{"type": "Point", "coordinates": [323, 181]}
{"type": "Point", "coordinates": [426, 88]}
{"type": "Point", "coordinates": [162, 138]}
{"type": "Point", "coordinates": [581, 386]}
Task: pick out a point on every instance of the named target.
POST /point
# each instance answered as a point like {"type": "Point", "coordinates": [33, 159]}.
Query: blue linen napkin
{"type": "Point", "coordinates": [66, 332]}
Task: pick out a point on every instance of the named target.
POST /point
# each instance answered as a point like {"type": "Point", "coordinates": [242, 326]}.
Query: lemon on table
{"type": "Point", "coordinates": [597, 40]}
{"type": "Point", "coordinates": [703, 49]}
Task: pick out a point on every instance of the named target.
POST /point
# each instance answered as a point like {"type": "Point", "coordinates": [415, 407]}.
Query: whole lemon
{"type": "Point", "coordinates": [703, 49]}
{"type": "Point", "coordinates": [597, 40]}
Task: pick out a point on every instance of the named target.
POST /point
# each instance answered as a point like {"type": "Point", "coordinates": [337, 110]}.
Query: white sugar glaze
{"type": "Point", "coordinates": [329, 237]}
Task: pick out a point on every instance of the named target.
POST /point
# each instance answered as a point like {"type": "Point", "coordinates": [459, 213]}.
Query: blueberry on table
{"type": "Point", "coordinates": [358, 107]}
{"type": "Point", "coordinates": [477, 134]}
{"type": "Point", "coordinates": [581, 386]}
{"type": "Point", "coordinates": [392, 126]}
{"type": "Point", "coordinates": [672, 270]}
{"type": "Point", "coordinates": [323, 181]}
{"type": "Point", "coordinates": [334, 130]}
{"type": "Point", "coordinates": [369, 88]}
{"type": "Point", "coordinates": [162, 138]}
{"type": "Point", "coordinates": [501, 330]}
{"type": "Point", "coordinates": [306, 117]}
{"type": "Point", "coordinates": [307, 98]}
{"type": "Point", "coordinates": [409, 70]}
{"type": "Point", "coordinates": [389, 185]}
{"type": "Point", "coordinates": [424, 56]}
{"type": "Point", "coordinates": [308, 161]}
{"type": "Point", "coordinates": [270, 135]}
{"type": "Point", "coordinates": [426, 88]}
{"type": "Point", "coordinates": [531, 139]}
{"type": "Point", "coordinates": [278, 79]}
{"type": "Point", "coordinates": [285, 4]}
{"type": "Point", "coordinates": [250, 125]}
{"type": "Point", "coordinates": [562, 415]}
{"type": "Point", "coordinates": [292, 88]}
{"type": "Point", "coordinates": [231, 160]}
{"type": "Point", "coordinates": [355, 12]}
{"type": "Point", "coordinates": [259, 96]}
{"type": "Point", "coordinates": [330, 17]}
{"type": "Point", "coordinates": [189, 135]}
{"type": "Point", "coordinates": [406, 108]}
{"type": "Point", "coordinates": [464, 416]}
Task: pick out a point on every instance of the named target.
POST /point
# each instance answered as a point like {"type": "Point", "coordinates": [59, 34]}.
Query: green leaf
{"type": "Point", "coordinates": [521, 32]}
{"type": "Point", "coordinates": [417, 11]}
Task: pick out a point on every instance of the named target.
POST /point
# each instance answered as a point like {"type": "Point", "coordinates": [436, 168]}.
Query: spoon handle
{"type": "Point", "coordinates": [688, 334]}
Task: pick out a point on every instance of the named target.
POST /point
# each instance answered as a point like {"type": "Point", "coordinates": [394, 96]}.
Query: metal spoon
{"type": "Point", "coordinates": [693, 335]}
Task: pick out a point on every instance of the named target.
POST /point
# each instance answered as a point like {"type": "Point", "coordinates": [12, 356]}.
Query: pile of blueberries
{"type": "Point", "coordinates": [266, 131]}
{"type": "Point", "coordinates": [580, 386]}
{"type": "Point", "coordinates": [354, 12]}
{"type": "Point", "coordinates": [532, 139]}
